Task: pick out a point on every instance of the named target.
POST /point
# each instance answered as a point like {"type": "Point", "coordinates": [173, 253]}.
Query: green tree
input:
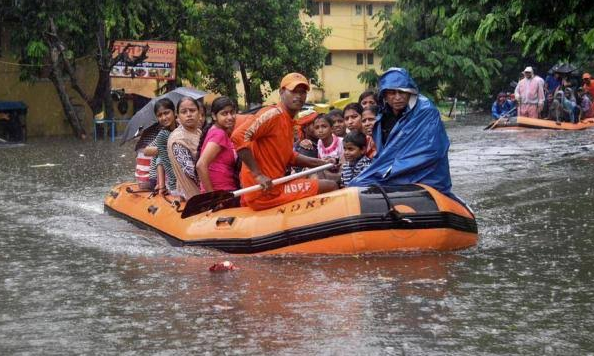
{"type": "Point", "coordinates": [59, 31]}
{"type": "Point", "coordinates": [476, 47]}
{"type": "Point", "coordinates": [262, 39]}
{"type": "Point", "coordinates": [443, 60]}
{"type": "Point", "coordinates": [545, 29]}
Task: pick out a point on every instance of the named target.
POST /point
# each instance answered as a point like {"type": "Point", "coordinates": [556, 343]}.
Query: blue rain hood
{"type": "Point", "coordinates": [416, 150]}
{"type": "Point", "coordinates": [397, 79]}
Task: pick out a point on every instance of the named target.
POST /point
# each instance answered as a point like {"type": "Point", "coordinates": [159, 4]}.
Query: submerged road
{"type": "Point", "coordinates": [75, 280]}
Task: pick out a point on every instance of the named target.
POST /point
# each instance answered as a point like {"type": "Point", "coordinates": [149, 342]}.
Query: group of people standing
{"type": "Point", "coordinates": [554, 98]}
{"type": "Point", "coordinates": [393, 137]}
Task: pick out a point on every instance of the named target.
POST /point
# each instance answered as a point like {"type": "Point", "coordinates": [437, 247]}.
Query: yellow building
{"type": "Point", "coordinates": [355, 28]}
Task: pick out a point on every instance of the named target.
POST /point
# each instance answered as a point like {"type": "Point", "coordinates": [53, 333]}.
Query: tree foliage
{"type": "Point", "coordinates": [473, 48]}
{"type": "Point", "coordinates": [443, 60]}
{"type": "Point", "coordinates": [58, 32]}
{"type": "Point", "coordinates": [262, 39]}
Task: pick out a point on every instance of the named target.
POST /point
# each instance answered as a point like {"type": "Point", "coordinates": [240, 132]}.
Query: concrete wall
{"type": "Point", "coordinates": [45, 116]}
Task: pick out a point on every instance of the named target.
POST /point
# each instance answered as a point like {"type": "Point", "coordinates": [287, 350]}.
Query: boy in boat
{"type": "Point", "coordinates": [264, 143]}
{"type": "Point", "coordinates": [355, 160]}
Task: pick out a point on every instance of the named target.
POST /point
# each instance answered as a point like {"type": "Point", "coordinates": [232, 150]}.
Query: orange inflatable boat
{"type": "Point", "coordinates": [348, 221]}
{"type": "Point", "coordinates": [521, 122]}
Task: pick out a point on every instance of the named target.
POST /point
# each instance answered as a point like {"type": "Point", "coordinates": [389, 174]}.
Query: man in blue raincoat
{"type": "Point", "coordinates": [502, 106]}
{"type": "Point", "coordinates": [412, 144]}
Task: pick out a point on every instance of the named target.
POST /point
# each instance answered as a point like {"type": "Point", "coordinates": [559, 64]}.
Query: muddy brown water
{"type": "Point", "coordinates": [75, 280]}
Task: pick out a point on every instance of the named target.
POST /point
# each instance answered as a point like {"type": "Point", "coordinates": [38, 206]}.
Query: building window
{"type": "Point", "coordinates": [388, 9]}
{"type": "Point", "coordinates": [328, 60]}
{"type": "Point", "coordinates": [344, 95]}
{"type": "Point", "coordinates": [369, 9]}
{"type": "Point", "coordinates": [314, 8]}
{"type": "Point", "coordinates": [358, 10]}
{"type": "Point", "coordinates": [369, 58]}
{"type": "Point", "coordinates": [359, 58]}
{"type": "Point", "coordinates": [326, 8]}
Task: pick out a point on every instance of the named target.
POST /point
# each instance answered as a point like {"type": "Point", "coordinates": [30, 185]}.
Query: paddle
{"type": "Point", "coordinates": [494, 123]}
{"type": "Point", "coordinates": [203, 202]}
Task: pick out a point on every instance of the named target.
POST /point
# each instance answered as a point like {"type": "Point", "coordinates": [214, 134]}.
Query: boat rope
{"type": "Point", "coordinates": [392, 212]}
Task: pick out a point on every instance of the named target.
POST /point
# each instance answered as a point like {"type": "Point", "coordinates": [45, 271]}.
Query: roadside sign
{"type": "Point", "coordinates": [159, 64]}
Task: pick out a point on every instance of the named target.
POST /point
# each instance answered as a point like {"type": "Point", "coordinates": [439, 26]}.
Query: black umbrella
{"type": "Point", "coordinates": [145, 117]}
{"type": "Point", "coordinates": [563, 68]}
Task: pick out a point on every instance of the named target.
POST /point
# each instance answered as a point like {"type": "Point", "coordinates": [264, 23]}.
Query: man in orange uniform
{"type": "Point", "coordinates": [265, 145]}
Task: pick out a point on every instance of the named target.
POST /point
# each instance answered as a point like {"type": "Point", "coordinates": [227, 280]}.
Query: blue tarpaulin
{"type": "Point", "coordinates": [416, 149]}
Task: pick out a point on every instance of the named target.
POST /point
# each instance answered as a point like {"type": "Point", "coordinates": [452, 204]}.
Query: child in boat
{"type": "Point", "coordinates": [306, 136]}
{"type": "Point", "coordinates": [368, 98]}
{"type": "Point", "coordinates": [585, 103]}
{"type": "Point", "coordinates": [165, 112]}
{"type": "Point", "coordinates": [367, 121]}
{"type": "Point", "coordinates": [354, 145]}
{"type": "Point", "coordinates": [145, 165]}
{"type": "Point", "coordinates": [338, 124]}
{"type": "Point", "coordinates": [329, 145]}
{"type": "Point", "coordinates": [352, 117]}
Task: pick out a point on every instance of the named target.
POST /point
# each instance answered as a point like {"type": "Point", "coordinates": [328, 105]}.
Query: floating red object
{"type": "Point", "coordinates": [222, 267]}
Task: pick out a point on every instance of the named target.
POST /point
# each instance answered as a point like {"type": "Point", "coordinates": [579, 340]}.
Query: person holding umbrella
{"type": "Point", "coordinates": [552, 82]}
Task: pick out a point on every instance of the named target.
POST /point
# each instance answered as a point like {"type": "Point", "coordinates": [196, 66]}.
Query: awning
{"type": "Point", "coordinates": [10, 106]}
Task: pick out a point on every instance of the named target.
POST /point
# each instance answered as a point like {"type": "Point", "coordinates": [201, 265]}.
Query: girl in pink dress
{"type": "Point", "coordinates": [329, 145]}
{"type": "Point", "coordinates": [216, 165]}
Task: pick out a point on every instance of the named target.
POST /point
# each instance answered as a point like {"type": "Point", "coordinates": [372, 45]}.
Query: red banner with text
{"type": "Point", "coordinates": [159, 63]}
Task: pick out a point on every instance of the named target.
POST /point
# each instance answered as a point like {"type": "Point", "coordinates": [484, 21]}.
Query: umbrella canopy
{"type": "Point", "coordinates": [145, 117]}
{"type": "Point", "coordinates": [563, 68]}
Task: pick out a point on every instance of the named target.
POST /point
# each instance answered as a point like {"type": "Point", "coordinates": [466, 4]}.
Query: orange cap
{"type": "Point", "coordinates": [586, 76]}
{"type": "Point", "coordinates": [292, 80]}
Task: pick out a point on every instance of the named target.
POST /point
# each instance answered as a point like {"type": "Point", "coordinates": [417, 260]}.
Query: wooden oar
{"type": "Point", "coordinates": [203, 202]}
{"type": "Point", "coordinates": [494, 123]}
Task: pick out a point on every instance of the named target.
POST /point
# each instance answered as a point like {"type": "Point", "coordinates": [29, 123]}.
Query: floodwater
{"type": "Point", "coordinates": [75, 280]}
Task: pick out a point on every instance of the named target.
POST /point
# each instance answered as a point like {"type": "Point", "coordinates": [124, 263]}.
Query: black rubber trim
{"type": "Point", "coordinates": [547, 128]}
{"type": "Point", "coordinates": [373, 202]}
{"type": "Point", "coordinates": [366, 222]}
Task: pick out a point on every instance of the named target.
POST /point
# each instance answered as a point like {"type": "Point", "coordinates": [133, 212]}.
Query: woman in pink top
{"type": "Point", "coordinates": [216, 165]}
